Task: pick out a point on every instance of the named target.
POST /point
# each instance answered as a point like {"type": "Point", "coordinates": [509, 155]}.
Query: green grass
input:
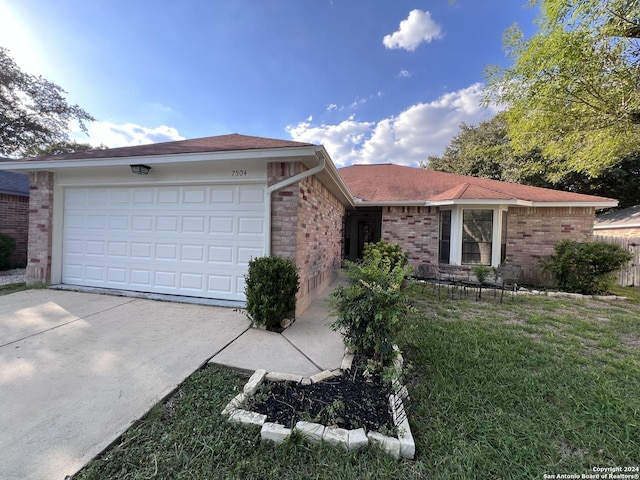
{"type": "Point", "coordinates": [510, 391]}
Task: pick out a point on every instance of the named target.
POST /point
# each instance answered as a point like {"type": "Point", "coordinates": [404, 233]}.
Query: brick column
{"type": "Point", "coordinates": [40, 228]}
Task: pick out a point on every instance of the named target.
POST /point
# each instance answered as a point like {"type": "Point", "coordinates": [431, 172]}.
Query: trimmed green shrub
{"type": "Point", "coordinates": [271, 285]}
{"type": "Point", "coordinates": [585, 267]}
{"type": "Point", "coordinates": [481, 272]}
{"type": "Point", "coordinates": [7, 247]}
{"type": "Point", "coordinates": [370, 307]}
{"type": "Point", "coordinates": [387, 252]}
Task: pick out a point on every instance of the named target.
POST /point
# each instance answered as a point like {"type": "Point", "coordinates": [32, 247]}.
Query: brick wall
{"type": "Point", "coordinates": [306, 227]}
{"type": "Point", "coordinates": [319, 238]}
{"type": "Point", "coordinates": [14, 222]}
{"type": "Point", "coordinates": [415, 229]}
{"type": "Point", "coordinates": [40, 227]}
{"type": "Point", "coordinates": [284, 210]}
{"type": "Point", "coordinates": [532, 232]}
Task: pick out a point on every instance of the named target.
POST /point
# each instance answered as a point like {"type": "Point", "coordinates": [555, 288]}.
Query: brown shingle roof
{"type": "Point", "coordinates": [220, 143]}
{"type": "Point", "coordinates": [396, 183]}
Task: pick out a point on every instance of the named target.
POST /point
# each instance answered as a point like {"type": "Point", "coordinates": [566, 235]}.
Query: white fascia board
{"type": "Point", "coordinates": [576, 204]}
{"type": "Point", "coordinates": [286, 154]}
{"type": "Point", "coordinates": [442, 203]}
{"type": "Point", "coordinates": [404, 203]}
{"type": "Point", "coordinates": [616, 227]}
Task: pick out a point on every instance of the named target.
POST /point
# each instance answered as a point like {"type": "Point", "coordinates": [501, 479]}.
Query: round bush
{"type": "Point", "coordinates": [271, 285]}
{"type": "Point", "coordinates": [585, 267]}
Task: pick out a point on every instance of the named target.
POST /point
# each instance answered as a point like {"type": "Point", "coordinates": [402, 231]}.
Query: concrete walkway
{"type": "Point", "coordinates": [77, 369]}
{"type": "Point", "coordinates": [305, 348]}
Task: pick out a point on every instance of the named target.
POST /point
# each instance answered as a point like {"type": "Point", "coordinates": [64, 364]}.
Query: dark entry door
{"type": "Point", "coordinates": [361, 226]}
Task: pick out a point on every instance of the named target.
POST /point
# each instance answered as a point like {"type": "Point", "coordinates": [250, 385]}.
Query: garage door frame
{"type": "Point", "coordinates": [251, 172]}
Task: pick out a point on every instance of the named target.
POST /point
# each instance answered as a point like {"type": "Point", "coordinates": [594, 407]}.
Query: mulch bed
{"type": "Point", "coordinates": [350, 401]}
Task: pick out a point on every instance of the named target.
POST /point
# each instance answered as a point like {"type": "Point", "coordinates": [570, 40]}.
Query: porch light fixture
{"type": "Point", "coordinates": [140, 169]}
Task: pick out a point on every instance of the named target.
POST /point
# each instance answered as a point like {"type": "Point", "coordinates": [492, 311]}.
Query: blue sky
{"type": "Point", "coordinates": [375, 81]}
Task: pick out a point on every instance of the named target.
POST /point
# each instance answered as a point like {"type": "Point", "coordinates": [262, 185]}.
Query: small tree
{"type": "Point", "coordinates": [370, 307]}
{"type": "Point", "coordinates": [271, 285]}
{"type": "Point", "coordinates": [585, 267]}
{"type": "Point", "coordinates": [388, 252]}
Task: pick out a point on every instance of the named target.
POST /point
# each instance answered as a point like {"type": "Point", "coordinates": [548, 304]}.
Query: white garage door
{"type": "Point", "coordinates": [193, 241]}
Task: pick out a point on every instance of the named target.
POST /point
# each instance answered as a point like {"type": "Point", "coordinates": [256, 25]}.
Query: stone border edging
{"type": "Point", "coordinates": [578, 296]}
{"type": "Point", "coordinates": [349, 440]}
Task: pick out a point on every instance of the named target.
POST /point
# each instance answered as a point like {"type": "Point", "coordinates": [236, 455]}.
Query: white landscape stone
{"type": "Point", "coordinates": [390, 445]}
{"type": "Point", "coordinates": [407, 444]}
{"type": "Point", "coordinates": [357, 439]}
{"type": "Point", "coordinates": [274, 432]}
{"type": "Point", "coordinates": [255, 381]}
{"type": "Point", "coordinates": [347, 361]}
{"type": "Point", "coordinates": [246, 417]}
{"type": "Point", "coordinates": [324, 375]}
{"type": "Point", "coordinates": [283, 377]}
{"type": "Point", "coordinates": [313, 432]}
{"type": "Point", "coordinates": [338, 437]}
{"type": "Point", "coordinates": [235, 403]}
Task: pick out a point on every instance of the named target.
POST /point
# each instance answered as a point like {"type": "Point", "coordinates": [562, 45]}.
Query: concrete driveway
{"type": "Point", "coordinates": [77, 369]}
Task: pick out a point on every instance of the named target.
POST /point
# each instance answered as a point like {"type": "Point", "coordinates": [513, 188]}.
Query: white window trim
{"type": "Point", "coordinates": [455, 255]}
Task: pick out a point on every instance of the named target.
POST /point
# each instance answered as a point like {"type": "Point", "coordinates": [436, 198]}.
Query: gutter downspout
{"type": "Point", "coordinates": [285, 183]}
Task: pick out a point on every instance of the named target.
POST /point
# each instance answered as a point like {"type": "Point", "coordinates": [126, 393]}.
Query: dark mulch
{"type": "Point", "coordinates": [351, 401]}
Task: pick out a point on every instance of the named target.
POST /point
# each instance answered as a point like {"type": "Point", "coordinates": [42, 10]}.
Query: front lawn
{"type": "Point", "coordinates": [532, 387]}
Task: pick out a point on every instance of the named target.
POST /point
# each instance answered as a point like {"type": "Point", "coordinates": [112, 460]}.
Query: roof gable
{"type": "Point", "coordinates": [385, 183]}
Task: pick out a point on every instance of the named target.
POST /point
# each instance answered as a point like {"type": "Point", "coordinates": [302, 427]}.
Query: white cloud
{"type": "Point", "coordinates": [112, 135]}
{"type": "Point", "coordinates": [417, 28]}
{"type": "Point", "coordinates": [411, 136]}
{"type": "Point", "coordinates": [404, 74]}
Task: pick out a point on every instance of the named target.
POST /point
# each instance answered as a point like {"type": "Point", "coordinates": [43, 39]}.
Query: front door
{"type": "Point", "coordinates": [362, 226]}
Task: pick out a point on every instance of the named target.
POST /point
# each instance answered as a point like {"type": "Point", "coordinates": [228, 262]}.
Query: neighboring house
{"type": "Point", "coordinates": [618, 223]}
{"type": "Point", "coordinates": [14, 212]}
{"type": "Point", "coordinates": [441, 217]}
{"type": "Point", "coordinates": [207, 206]}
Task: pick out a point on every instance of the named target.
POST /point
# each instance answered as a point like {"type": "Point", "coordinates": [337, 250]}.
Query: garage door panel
{"type": "Point", "coordinates": [193, 241]}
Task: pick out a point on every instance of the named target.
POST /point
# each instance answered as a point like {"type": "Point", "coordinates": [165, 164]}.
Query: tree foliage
{"type": "Point", "coordinates": [33, 111]}
{"type": "Point", "coordinates": [485, 150]}
{"type": "Point", "coordinates": [573, 90]}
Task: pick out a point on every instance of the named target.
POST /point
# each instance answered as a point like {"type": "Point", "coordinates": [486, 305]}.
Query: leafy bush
{"type": "Point", "coordinates": [7, 247]}
{"type": "Point", "coordinates": [387, 252]}
{"type": "Point", "coordinates": [271, 285]}
{"type": "Point", "coordinates": [585, 267]}
{"type": "Point", "coordinates": [370, 306]}
{"type": "Point", "coordinates": [481, 272]}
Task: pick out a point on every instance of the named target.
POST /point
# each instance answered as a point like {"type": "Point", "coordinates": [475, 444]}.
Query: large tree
{"type": "Point", "coordinates": [573, 91]}
{"type": "Point", "coordinates": [485, 150]}
{"type": "Point", "coordinates": [33, 111]}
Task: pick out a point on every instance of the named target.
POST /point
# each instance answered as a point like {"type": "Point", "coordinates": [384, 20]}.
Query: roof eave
{"type": "Point", "coordinates": [390, 203]}
{"type": "Point", "coordinates": [283, 153]}
{"type": "Point", "coordinates": [476, 201]}
{"type": "Point", "coordinates": [616, 226]}
{"type": "Point", "coordinates": [594, 204]}
{"type": "Point", "coordinates": [331, 178]}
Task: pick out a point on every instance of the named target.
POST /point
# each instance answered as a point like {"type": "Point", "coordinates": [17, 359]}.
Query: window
{"type": "Point", "coordinates": [477, 236]}
{"type": "Point", "coordinates": [445, 237]}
